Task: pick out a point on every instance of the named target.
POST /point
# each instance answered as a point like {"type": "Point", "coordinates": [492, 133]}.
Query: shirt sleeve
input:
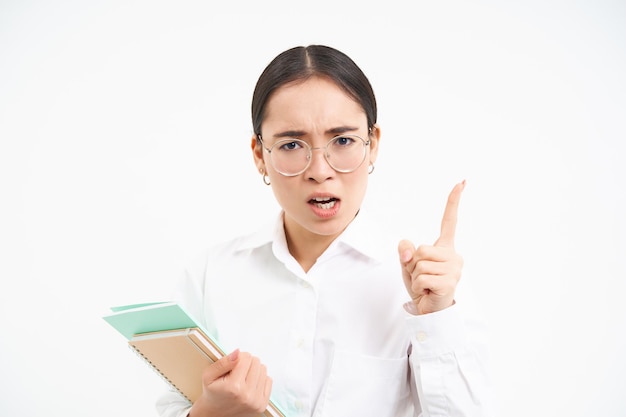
{"type": "Point", "coordinates": [172, 404]}
{"type": "Point", "coordinates": [449, 365]}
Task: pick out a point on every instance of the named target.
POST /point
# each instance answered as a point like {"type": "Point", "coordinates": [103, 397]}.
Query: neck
{"type": "Point", "coordinates": [306, 246]}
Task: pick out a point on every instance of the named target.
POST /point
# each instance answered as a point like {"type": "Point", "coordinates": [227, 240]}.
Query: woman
{"type": "Point", "coordinates": [321, 313]}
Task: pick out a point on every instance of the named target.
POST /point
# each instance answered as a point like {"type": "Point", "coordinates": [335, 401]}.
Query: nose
{"type": "Point", "coordinates": [319, 169]}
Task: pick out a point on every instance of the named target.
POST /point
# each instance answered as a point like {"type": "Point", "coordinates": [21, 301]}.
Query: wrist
{"type": "Point", "coordinates": [411, 308]}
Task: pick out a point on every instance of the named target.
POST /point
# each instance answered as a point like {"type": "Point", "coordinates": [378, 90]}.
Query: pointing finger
{"type": "Point", "coordinates": [448, 223]}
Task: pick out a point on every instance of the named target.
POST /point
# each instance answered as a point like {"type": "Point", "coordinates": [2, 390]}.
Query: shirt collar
{"type": "Point", "coordinates": [362, 234]}
{"type": "Point", "coordinates": [266, 234]}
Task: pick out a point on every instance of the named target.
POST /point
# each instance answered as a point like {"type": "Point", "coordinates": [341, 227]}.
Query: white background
{"type": "Point", "coordinates": [124, 133]}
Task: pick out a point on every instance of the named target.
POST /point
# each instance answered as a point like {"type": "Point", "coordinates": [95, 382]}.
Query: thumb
{"type": "Point", "coordinates": [405, 251]}
{"type": "Point", "coordinates": [221, 367]}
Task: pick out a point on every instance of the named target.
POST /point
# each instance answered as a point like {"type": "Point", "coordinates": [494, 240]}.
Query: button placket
{"type": "Point", "coordinates": [298, 362]}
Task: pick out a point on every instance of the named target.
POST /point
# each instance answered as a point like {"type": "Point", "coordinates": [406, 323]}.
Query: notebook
{"type": "Point", "coordinates": [166, 337]}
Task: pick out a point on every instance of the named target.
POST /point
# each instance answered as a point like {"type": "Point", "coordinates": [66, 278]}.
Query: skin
{"type": "Point", "coordinates": [432, 272]}
{"type": "Point", "coordinates": [316, 110]}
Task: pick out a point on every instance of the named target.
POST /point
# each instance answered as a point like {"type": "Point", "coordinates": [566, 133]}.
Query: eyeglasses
{"type": "Point", "coordinates": [291, 157]}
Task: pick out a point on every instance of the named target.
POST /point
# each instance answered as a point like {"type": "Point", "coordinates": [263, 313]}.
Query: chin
{"type": "Point", "coordinates": [330, 228]}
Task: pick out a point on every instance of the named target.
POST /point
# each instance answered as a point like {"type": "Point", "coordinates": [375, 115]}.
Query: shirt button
{"type": "Point", "coordinates": [299, 405]}
{"type": "Point", "coordinates": [299, 343]}
{"type": "Point", "coordinates": [421, 336]}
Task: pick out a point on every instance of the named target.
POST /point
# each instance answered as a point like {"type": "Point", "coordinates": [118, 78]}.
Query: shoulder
{"type": "Point", "coordinates": [226, 251]}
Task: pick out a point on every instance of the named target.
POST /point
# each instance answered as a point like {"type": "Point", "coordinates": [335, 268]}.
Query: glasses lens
{"type": "Point", "coordinates": [345, 153]}
{"type": "Point", "coordinates": [290, 157]}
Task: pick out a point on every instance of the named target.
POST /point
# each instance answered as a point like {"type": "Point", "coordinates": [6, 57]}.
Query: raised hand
{"type": "Point", "coordinates": [236, 385]}
{"type": "Point", "coordinates": [431, 273]}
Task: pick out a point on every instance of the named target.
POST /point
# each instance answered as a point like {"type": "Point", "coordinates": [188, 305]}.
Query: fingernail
{"type": "Point", "coordinates": [234, 355]}
{"type": "Point", "coordinates": [406, 256]}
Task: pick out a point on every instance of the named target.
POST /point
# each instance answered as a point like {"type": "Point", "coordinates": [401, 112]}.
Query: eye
{"type": "Point", "coordinates": [343, 141]}
{"type": "Point", "coordinates": [290, 145]}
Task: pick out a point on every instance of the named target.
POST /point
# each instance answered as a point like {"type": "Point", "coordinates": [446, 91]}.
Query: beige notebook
{"type": "Point", "coordinates": [180, 356]}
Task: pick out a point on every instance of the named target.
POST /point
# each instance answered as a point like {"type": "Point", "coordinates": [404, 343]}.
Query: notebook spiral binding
{"type": "Point", "coordinates": [156, 370]}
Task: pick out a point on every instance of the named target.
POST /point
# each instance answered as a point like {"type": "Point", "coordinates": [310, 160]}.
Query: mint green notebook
{"type": "Point", "coordinates": [133, 319]}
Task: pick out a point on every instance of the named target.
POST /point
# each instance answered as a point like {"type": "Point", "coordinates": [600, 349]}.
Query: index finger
{"type": "Point", "coordinates": [448, 223]}
{"type": "Point", "coordinates": [242, 367]}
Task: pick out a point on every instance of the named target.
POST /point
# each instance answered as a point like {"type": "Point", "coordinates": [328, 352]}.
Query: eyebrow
{"type": "Point", "coordinates": [298, 133]}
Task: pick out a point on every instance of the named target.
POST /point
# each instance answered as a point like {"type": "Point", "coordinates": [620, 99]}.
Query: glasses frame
{"type": "Point", "coordinates": [310, 150]}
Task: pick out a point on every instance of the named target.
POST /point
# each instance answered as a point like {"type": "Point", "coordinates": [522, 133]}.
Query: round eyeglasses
{"type": "Point", "coordinates": [290, 157]}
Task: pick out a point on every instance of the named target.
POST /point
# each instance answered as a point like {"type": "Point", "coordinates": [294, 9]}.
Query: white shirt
{"type": "Point", "coordinates": [336, 340]}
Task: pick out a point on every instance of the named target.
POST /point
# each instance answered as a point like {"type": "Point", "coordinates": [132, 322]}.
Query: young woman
{"type": "Point", "coordinates": [322, 313]}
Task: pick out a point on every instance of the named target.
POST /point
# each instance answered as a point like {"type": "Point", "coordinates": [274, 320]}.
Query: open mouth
{"type": "Point", "coordinates": [324, 203]}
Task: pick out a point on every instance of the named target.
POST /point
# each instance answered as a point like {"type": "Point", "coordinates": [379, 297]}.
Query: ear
{"type": "Point", "coordinates": [374, 137]}
{"type": "Point", "coordinates": [257, 154]}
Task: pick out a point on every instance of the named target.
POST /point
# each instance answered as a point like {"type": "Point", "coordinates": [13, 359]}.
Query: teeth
{"type": "Point", "coordinates": [327, 205]}
{"type": "Point", "coordinates": [324, 203]}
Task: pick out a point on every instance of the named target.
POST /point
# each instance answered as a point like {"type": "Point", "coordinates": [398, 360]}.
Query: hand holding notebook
{"type": "Point", "coordinates": [175, 346]}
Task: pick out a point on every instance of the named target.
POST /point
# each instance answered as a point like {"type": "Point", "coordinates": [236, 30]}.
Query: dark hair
{"type": "Point", "coordinates": [303, 62]}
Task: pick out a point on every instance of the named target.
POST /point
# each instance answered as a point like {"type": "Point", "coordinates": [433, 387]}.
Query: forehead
{"type": "Point", "coordinates": [316, 103]}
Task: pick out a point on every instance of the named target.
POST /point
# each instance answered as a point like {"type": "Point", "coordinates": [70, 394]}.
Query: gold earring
{"type": "Point", "coordinates": [266, 178]}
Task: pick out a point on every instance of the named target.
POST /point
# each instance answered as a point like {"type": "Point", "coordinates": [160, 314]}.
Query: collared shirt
{"type": "Point", "coordinates": [336, 340]}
